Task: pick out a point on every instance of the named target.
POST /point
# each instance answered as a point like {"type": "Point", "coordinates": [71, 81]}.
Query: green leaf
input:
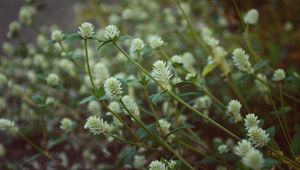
{"type": "Point", "coordinates": [55, 142]}
{"type": "Point", "coordinates": [261, 64]}
{"type": "Point", "coordinates": [126, 156]}
{"type": "Point", "coordinates": [269, 163]}
{"type": "Point", "coordinates": [282, 111]}
{"type": "Point", "coordinates": [144, 134]}
{"type": "Point", "coordinates": [179, 129]}
{"type": "Point", "coordinates": [208, 68]}
{"type": "Point", "coordinates": [271, 131]}
{"type": "Point", "coordinates": [88, 99]}
{"type": "Point", "coordinates": [72, 37]}
{"type": "Point", "coordinates": [157, 97]}
{"type": "Point", "coordinates": [183, 83]}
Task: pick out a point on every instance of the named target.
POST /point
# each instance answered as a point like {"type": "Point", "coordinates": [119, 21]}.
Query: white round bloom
{"type": "Point", "coordinates": [157, 165]}
{"type": "Point", "coordinates": [86, 30]}
{"type": "Point", "coordinates": [251, 120]}
{"type": "Point", "coordinates": [26, 13]}
{"type": "Point", "coordinates": [155, 41]}
{"type": "Point", "coordinates": [137, 44]}
{"type": "Point", "coordinates": [8, 48]}
{"type": "Point", "coordinates": [8, 126]}
{"type": "Point", "coordinates": [113, 88]}
{"type": "Point", "coordinates": [234, 106]}
{"type": "Point", "coordinates": [251, 17]}
{"type": "Point", "coordinates": [66, 124]}
{"type": "Point", "coordinates": [52, 79]}
{"type": "Point", "coordinates": [139, 161]}
{"type": "Point", "coordinates": [243, 148]}
{"type": "Point", "coordinates": [114, 107]}
{"type": "Point", "coordinates": [176, 59]}
{"type": "Point", "coordinates": [111, 32]}
{"type": "Point", "coordinates": [223, 149]}
{"type": "Point", "coordinates": [254, 159]}
{"type": "Point", "coordinates": [161, 73]}
{"type": "Point", "coordinates": [165, 125]}
{"type": "Point", "coordinates": [57, 35]}
{"type": "Point", "coordinates": [131, 105]}
{"type": "Point", "coordinates": [203, 102]}
{"type": "Point", "coordinates": [101, 72]}
{"type": "Point", "coordinates": [258, 136]}
{"type": "Point", "coordinates": [14, 29]}
{"type": "Point", "coordinates": [94, 107]}
{"type": "Point", "coordinates": [241, 60]}
{"type": "Point", "coordinates": [279, 75]}
{"type": "Point", "coordinates": [97, 125]}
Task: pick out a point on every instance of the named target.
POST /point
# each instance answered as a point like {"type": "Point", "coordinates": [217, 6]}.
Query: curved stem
{"type": "Point", "coordinates": [88, 65]}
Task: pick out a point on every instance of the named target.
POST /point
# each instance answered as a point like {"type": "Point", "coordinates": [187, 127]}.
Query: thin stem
{"type": "Point", "coordinates": [132, 143]}
{"type": "Point", "coordinates": [88, 65]}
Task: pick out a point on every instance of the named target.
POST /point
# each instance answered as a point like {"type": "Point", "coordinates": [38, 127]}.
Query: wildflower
{"type": "Point", "coordinates": [94, 107]}
{"type": "Point", "coordinates": [251, 17]}
{"type": "Point", "coordinates": [97, 125]}
{"type": "Point", "coordinates": [131, 106]}
{"type": "Point", "coordinates": [7, 48]}
{"type": "Point", "coordinates": [258, 136]}
{"type": "Point", "coordinates": [279, 75]}
{"type": "Point", "coordinates": [114, 106]}
{"type": "Point", "coordinates": [101, 72]}
{"type": "Point", "coordinates": [260, 85]}
{"type": "Point", "coordinates": [137, 44]}
{"type": "Point", "coordinates": [234, 108]}
{"type": "Point", "coordinates": [254, 159]}
{"type": "Point", "coordinates": [26, 13]}
{"type": "Point", "coordinates": [113, 88]}
{"type": "Point", "coordinates": [161, 73]}
{"type": "Point", "coordinates": [157, 165]}
{"type": "Point", "coordinates": [203, 102]}
{"type": "Point", "coordinates": [66, 124]}
{"type": "Point", "coordinates": [165, 125]}
{"type": "Point", "coordinates": [14, 29]}
{"type": "Point", "coordinates": [139, 161]}
{"type": "Point", "coordinates": [8, 126]}
{"type": "Point", "coordinates": [155, 41]}
{"type": "Point", "coordinates": [86, 30]}
{"type": "Point", "coordinates": [241, 60]}
{"type": "Point", "coordinates": [251, 120]}
{"type": "Point", "coordinates": [243, 148]}
{"type": "Point", "coordinates": [223, 149]}
{"type": "Point", "coordinates": [111, 32]}
{"type": "Point", "coordinates": [57, 36]}
{"type": "Point", "coordinates": [176, 59]}
{"type": "Point", "coordinates": [52, 79]}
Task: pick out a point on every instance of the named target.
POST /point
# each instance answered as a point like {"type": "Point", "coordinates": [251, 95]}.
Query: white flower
{"type": "Point", "coordinates": [203, 102]}
{"type": "Point", "coordinates": [279, 75]}
{"type": "Point", "coordinates": [254, 159]}
{"type": "Point", "coordinates": [139, 161]}
{"type": "Point", "coordinates": [8, 48]}
{"type": "Point", "coordinates": [223, 149]}
{"type": "Point", "coordinates": [137, 44]}
{"type": "Point", "coordinates": [113, 88]}
{"type": "Point", "coordinates": [111, 32]}
{"type": "Point", "coordinates": [243, 148]}
{"type": "Point", "coordinates": [251, 17]}
{"type": "Point", "coordinates": [157, 165]}
{"type": "Point", "coordinates": [258, 136]}
{"type": "Point", "coordinates": [97, 125]}
{"type": "Point", "coordinates": [86, 30]}
{"type": "Point", "coordinates": [131, 105]}
{"type": "Point", "coordinates": [176, 59]}
{"type": "Point", "coordinates": [114, 107]}
{"type": "Point", "coordinates": [101, 72]}
{"type": "Point", "coordinates": [57, 36]}
{"type": "Point", "coordinates": [94, 107]}
{"type": "Point", "coordinates": [26, 13]}
{"type": "Point", "coordinates": [66, 124]}
{"type": "Point", "coordinates": [52, 79]}
{"type": "Point", "coordinates": [234, 108]}
{"type": "Point", "coordinates": [241, 60]}
{"type": "Point", "coordinates": [161, 73]}
{"type": "Point", "coordinates": [260, 85]}
{"type": "Point", "coordinates": [155, 41]}
{"type": "Point", "coordinates": [251, 120]}
{"type": "Point", "coordinates": [8, 126]}
{"type": "Point", "coordinates": [165, 125]}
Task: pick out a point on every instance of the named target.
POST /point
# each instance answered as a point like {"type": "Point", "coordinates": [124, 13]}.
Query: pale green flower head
{"type": "Point", "coordinates": [139, 161]}
{"type": "Point", "coordinates": [241, 60]}
{"type": "Point", "coordinates": [57, 36]}
{"type": "Point", "coordinates": [243, 148]}
{"type": "Point", "coordinates": [131, 106]}
{"type": "Point", "coordinates": [67, 125]}
{"type": "Point", "coordinates": [157, 165]}
{"type": "Point", "coordinates": [52, 79]}
{"type": "Point", "coordinates": [254, 159]}
{"type": "Point", "coordinates": [165, 125]}
{"type": "Point", "coordinates": [97, 126]}
{"type": "Point", "coordinates": [113, 88]}
{"type": "Point", "coordinates": [234, 106]}
{"type": "Point", "coordinates": [86, 30]}
{"type": "Point", "coordinates": [279, 75]}
{"type": "Point", "coordinates": [251, 120]}
{"type": "Point", "coordinates": [223, 149]}
{"type": "Point", "coordinates": [258, 136]}
{"type": "Point", "coordinates": [155, 41]}
{"type": "Point", "coordinates": [251, 17]}
{"type": "Point", "coordinates": [111, 32]}
{"type": "Point", "coordinates": [162, 73]}
{"type": "Point", "coordinates": [137, 44]}
{"type": "Point", "coordinates": [8, 126]}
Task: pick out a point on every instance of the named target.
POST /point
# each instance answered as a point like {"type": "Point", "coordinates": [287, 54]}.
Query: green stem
{"type": "Point", "coordinates": [88, 65]}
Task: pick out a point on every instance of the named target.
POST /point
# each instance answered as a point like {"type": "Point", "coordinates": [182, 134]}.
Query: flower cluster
{"type": "Point", "coordinates": [241, 60]}
{"type": "Point", "coordinates": [97, 126]}
{"type": "Point", "coordinates": [162, 73]}
{"type": "Point", "coordinates": [113, 88]}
